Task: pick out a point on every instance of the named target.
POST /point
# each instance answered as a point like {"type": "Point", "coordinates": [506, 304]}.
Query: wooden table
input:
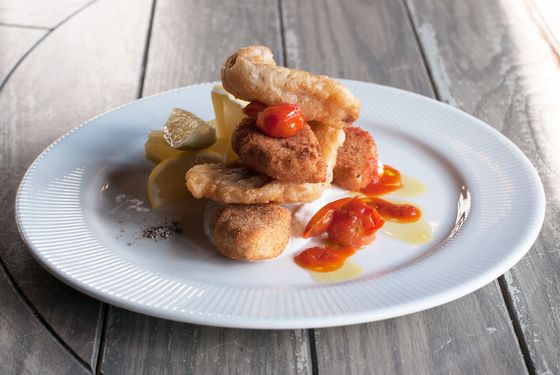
{"type": "Point", "coordinates": [67, 61]}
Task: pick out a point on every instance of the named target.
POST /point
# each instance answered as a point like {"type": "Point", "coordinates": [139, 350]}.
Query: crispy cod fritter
{"type": "Point", "coordinates": [252, 74]}
{"type": "Point", "coordinates": [248, 232]}
{"type": "Point", "coordinates": [295, 159]}
{"type": "Point", "coordinates": [356, 162]}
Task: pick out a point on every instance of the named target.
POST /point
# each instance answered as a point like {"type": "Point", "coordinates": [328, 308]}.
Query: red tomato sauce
{"type": "Point", "coordinates": [323, 259]}
{"type": "Point", "coordinates": [351, 223]}
{"type": "Point", "coordinates": [387, 182]}
{"type": "Point", "coordinates": [402, 213]}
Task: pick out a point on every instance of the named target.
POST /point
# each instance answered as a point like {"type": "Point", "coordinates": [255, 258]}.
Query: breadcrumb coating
{"type": "Point", "coordinates": [248, 232]}
{"type": "Point", "coordinates": [237, 184]}
{"type": "Point", "coordinates": [295, 159]}
{"type": "Point", "coordinates": [356, 162]}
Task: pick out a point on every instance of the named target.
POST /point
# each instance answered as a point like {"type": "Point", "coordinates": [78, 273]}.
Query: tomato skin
{"type": "Point", "coordinates": [321, 221]}
{"type": "Point", "coordinates": [253, 109]}
{"type": "Point", "coordinates": [354, 224]}
{"type": "Point", "coordinates": [281, 120]}
{"type": "Point", "coordinates": [345, 230]}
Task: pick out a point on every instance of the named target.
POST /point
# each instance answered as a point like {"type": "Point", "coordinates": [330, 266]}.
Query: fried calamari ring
{"type": "Point", "coordinates": [252, 74]}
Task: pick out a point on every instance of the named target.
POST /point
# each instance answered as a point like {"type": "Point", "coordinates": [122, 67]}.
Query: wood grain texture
{"type": "Point", "coordinates": [371, 42]}
{"type": "Point", "coordinates": [190, 40]}
{"type": "Point", "coordinates": [498, 65]}
{"type": "Point", "coordinates": [15, 42]}
{"type": "Point", "coordinates": [26, 347]}
{"type": "Point", "coordinates": [79, 70]}
{"type": "Point", "coordinates": [375, 42]}
{"type": "Point", "coordinates": [138, 344]}
{"type": "Point", "coordinates": [38, 13]}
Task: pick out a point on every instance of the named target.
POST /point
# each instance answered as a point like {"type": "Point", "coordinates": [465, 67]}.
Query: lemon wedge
{"type": "Point", "coordinates": [229, 112]}
{"type": "Point", "coordinates": [156, 149]}
{"type": "Point", "coordinates": [186, 131]}
{"type": "Point", "coordinates": [166, 182]}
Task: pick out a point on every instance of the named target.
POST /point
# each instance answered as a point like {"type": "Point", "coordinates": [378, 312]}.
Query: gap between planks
{"type": "Point", "coordinates": [29, 305]}
{"type": "Point", "coordinates": [7, 24]}
{"type": "Point", "coordinates": [41, 39]}
{"type": "Point", "coordinates": [310, 331]}
{"type": "Point", "coordinates": [106, 308]}
{"type": "Point", "coordinates": [501, 281]}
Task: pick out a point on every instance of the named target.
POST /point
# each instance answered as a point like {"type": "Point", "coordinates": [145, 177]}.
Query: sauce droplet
{"type": "Point", "coordinates": [387, 182]}
{"type": "Point", "coordinates": [323, 259]}
{"type": "Point", "coordinates": [399, 212]}
{"type": "Point", "coordinates": [411, 188]}
{"type": "Point", "coordinates": [348, 271]}
{"type": "Point", "coordinates": [417, 233]}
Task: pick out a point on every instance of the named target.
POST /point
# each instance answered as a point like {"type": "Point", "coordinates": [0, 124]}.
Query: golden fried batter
{"type": "Point", "coordinates": [252, 74]}
{"type": "Point", "coordinates": [227, 184]}
{"type": "Point", "coordinates": [248, 231]}
{"type": "Point", "coordinates": [295, 159]}
{"type": "Point", "coordinates": [356, 163]}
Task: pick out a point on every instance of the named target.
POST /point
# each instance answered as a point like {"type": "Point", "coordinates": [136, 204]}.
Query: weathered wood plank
{"type": "Point", "coordinates": [190, 41]}
{"type": "Point", "coordinates": [38, 13]}
{"type": "Point", "coordinates": [26, 347]}
{"type": "Point", "coordinates": [497, 64]}
{"type": "Point", "coordinates": [367, 43]}
{"type": "Point", "coordinates": [138, 344]}
{"type": "Point", "coordinates": [63, 82]}
{"type": "Point", "coordinates": [15, 42]}
{"type": "Point", "coordinates": [374, 41]}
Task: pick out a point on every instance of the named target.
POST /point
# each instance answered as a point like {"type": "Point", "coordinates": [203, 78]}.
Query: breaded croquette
{"type": "Point", "coordinates": [356, 162]}
{"type": "Point", "coordinates": [248, 232]}
{"type": "Point", "coordinates": [252, 74]}
{"type": "Point", "coordinates": [295, 159]}
{"type": "Point", "coordinates": [229, 184]}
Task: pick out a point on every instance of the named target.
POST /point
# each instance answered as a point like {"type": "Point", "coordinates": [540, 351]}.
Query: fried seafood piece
{"type": "Point", "coordinates": [229, 184]}
{"type": "Point", "coordinates": [240, 184]}
{"type": "Point", "coordinates": [248, 231]}
{"type": "Point", "coordinates": [252, 74]}
{"type": "Point", "coordinates": [356, 163]}
{"type": "Point", "coordinates": [295, 159]}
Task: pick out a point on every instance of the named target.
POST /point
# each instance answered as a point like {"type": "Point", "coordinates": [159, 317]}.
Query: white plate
{"type": "Point", "coordinates": [81, 208]}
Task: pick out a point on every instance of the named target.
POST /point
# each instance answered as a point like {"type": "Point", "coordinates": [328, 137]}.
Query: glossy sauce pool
{"type": "Point", "coordinates": [402, 221]}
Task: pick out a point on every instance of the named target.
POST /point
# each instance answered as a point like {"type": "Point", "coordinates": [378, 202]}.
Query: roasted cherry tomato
{"type": "Point", "coordinates": [323, 259]}
{"type": "Point", "coordinates": [320, 222]}
{"type": "Point", "coordinates": [354, 224]}
{"type": "Point", "coordinates": [253, 109]}
{"type": "Point", "coordinates": [281, 120]}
